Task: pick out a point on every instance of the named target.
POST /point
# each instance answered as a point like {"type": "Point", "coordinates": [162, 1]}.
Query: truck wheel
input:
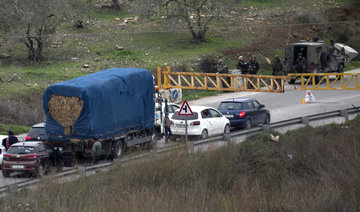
{"type": "Point", "coordinates": [341, 68]}
{"type": "Point", "coordinates": [117, 149]}
{"type": "Point", "coordinates": [5, 173]}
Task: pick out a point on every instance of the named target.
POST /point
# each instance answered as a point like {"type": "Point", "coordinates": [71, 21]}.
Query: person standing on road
{"type": "Point", "coordinates": [9, 140]}
{"type": "Point", "coordinates": [96, 150]}
{"type": "Point", "coordinates": [278, 68]}
{"type": "Point", "coordinates": [167, 126]}
{"type": "Point", "coordinates": [253, 65]}
{"type": "Point", "coordinates": [242, 65]}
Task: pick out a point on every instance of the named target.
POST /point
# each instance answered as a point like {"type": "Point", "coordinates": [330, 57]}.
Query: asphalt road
{"type": "Point", "coordinates": [289, 104]}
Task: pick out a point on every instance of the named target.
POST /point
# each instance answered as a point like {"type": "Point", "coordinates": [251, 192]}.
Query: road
{"type": "Point", "coordinates": [289, 104]}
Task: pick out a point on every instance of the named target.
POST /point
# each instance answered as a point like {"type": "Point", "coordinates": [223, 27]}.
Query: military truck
{"type": "Point", "coordinates": [319, 57]}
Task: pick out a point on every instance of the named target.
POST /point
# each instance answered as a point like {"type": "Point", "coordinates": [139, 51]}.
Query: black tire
{"type": "Point", "coordinates": [267, 119]}
{"type": "Point", "coordinates": [248, 124]}
{"type": "Point", "coordinates": [292, 81]}
{"type": "Point", "coordinates": [42, 170]}
{"type": "Point", "coordinates": [6, 173]}
{"type": "Point", "coordinates": [340, 68]}
{"type": "Point", "coordinates": [204, 134]}
{"type": "Point", "coordinates": [226, 128]}
{"type": "Point", "coordinates": [117, 149]}
{"type": "Point", "coordinates": [325, 59]}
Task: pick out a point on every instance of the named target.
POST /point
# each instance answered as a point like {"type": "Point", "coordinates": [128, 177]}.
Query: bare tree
{"type": "Point", "coordinates": [196, 14]}
{"type": "Point", "coordinates": [32, 22]}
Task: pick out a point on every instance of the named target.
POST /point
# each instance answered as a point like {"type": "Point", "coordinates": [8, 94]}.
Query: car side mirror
{"type": "Point", "coordinates": [261, 106]}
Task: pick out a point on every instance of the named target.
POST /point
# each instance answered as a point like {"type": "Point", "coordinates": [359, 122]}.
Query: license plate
{"type": "Point", "coordinates": [229, 116]}
{"type": "Point", "coordinates": [17, 166]}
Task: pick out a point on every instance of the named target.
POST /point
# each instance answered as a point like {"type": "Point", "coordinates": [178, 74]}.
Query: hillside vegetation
{"type": "Point", "coordinates": [309, 169]}
{"type": "Point", "coordinates": [260, 27]}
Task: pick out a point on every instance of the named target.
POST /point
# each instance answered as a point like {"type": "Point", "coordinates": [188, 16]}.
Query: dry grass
{"type": "Point", "coordinates": [65, 110]}
{"type": "Point", "coordinates": [257, 175]}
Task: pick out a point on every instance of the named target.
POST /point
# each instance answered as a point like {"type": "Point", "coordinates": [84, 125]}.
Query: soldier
{"type": "Point", "coordinates": [242, 65]}
{"type": "Point", "coordinates": [253, 65]}
{"type": "Point", "coordinates": [300, 64]}
{"type": "Point", "coordinates": [223, 69]}
{"type": "Point", "coordinates": [278, 68]}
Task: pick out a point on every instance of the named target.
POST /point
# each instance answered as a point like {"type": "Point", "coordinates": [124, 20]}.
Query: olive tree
{"type": "Point", "coordinates": [32, 22]}
{"type": "Point", "coordinates": [195, 14]}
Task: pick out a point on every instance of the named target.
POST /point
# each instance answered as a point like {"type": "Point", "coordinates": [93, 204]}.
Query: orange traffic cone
{"type": "Point", "coordinates": [295, 88]}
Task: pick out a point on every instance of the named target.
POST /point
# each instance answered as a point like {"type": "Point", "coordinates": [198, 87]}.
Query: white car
{"type": "Point", "coordinates": [205, 121]}
{"type": "Point", "coordinates": [2, 148]}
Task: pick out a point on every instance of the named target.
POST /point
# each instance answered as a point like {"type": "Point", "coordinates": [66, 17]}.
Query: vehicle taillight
{"type": "Point", "coordinates": [32, 156]}
{"type": "Point", "coordinates": [0, 151]}
{"type": "Point", "coordinates": [242, 114]}
{"type": "Point", "coordinates": [195, 123]}
{"type": "Point", "coordinates": [27, 138]}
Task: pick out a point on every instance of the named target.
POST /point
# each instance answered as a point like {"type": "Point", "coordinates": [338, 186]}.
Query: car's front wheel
{"type": "Point", "coordinates": [267, 119]}
{"type": "Point", "coordinates": [204, 134]}
{"type": "Point", "coordinates": [226, 128]}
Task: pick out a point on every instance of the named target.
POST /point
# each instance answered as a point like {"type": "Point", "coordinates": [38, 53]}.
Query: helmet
{"type": "Point", "coordinates": [300, 54]}
{"type": "Point", "coordinates": [253, 56]}
{"type": "Point", "coordinates": [241, 57]}
{"type": "Point", "coordinates": [220, 61]}
{"type": "Point", "coordinates": [277, 57]}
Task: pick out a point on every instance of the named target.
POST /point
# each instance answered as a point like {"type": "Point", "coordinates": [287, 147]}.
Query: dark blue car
{"type": "Point", "coordinates": [244, 113]}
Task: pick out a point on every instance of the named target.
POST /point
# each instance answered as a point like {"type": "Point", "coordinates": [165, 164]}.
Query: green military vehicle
{"type": "Point", "coordinates": [317, 57]}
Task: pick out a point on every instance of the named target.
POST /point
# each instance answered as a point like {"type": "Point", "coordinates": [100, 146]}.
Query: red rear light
{"type": "Point", "coordinates": [27, 138]}
{"type": "Point", "coordinates": [32, 156]}
{"type": "Point", "coordinates": [0, 151]}
{"type": "Point", "coordinates": [242, 114]}
{"type": "Point", "coordinates": [195, 123]}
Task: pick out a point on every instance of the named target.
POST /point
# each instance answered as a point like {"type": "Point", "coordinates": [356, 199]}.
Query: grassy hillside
{"type": "Point", "coordinates": [309, 169]}
{"type": "Point", "coordinates": [259, 27]}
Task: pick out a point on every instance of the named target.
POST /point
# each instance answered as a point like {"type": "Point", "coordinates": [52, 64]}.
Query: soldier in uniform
{"type": "Point", "coordinates": [278, 68]}
{"type": "Point", "coordinates": [223, 69]}
{"type": "Point", "coordinates": [242, 65]}
{"type": "Point", "coordinates": [300, 64]}
{"type": "Point", "coordinates": [253, 65]}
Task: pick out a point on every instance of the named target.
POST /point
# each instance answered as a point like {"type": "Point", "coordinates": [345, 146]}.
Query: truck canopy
{"type": "Point", "coordinates": [114, 101]}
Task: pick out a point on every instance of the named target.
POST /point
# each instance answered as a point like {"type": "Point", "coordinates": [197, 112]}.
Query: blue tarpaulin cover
{"type": "Point", "coordinates": [114, 101]}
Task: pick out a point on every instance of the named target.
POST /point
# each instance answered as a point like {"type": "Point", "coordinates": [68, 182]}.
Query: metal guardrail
{"type": "Point", "coordinates": [286, 123]}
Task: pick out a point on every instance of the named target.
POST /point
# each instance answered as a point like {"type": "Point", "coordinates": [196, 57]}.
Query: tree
{"type": "Point", "coordinates": [196, 14]}
{"type": "Point", "coordinates": [32, 22]}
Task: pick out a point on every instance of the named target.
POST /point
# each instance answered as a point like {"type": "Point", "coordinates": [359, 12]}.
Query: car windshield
{"type": "Point", "coordinates": [230, 106]}
{"type": "Point", "coordinates": [36, 131]}
{"type": "Point", "coordinates": [177, 117]}
{"type": "Point", "coordinates": [22, 149]}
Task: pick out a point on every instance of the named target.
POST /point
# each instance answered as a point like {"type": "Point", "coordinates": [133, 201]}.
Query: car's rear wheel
{"type": "Point", "coordinates": [6, 173]}
{"type": "Point", "coordinates": [41, 171]}
{"type": "Point", "coordinates": [248, 124]}
{"type": "Point", "coordinates": [267, 119]}
{"type": "Point", "coordinates": [226, 128]}
{"type": "Point", "coordinates": [204, 134]}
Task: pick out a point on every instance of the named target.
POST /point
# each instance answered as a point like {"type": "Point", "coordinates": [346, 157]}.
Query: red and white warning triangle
{"type": "Point", "coordinates": [185, 110]}
{"type": "Point", "coordinates": [309, 97]}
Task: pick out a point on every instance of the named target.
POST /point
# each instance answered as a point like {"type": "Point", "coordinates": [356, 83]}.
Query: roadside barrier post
{"type": "Point", "coordinates": [345, 114]}
{"type": "Point", "coordinates": [305, 120]}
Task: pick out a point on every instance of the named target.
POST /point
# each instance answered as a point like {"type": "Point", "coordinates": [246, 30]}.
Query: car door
{"type": "Point", "coordinates": [260, 112]}
{"type": "Point", "coordinates": [208, 122]}
{"type": "Point", "coordinates": [250, 110]}
{"type": "Point", "coordinates": [217, 120]}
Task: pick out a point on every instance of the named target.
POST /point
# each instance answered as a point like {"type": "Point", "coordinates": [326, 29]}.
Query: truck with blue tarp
{"type": "Point", "coordinates": [116, 106]}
